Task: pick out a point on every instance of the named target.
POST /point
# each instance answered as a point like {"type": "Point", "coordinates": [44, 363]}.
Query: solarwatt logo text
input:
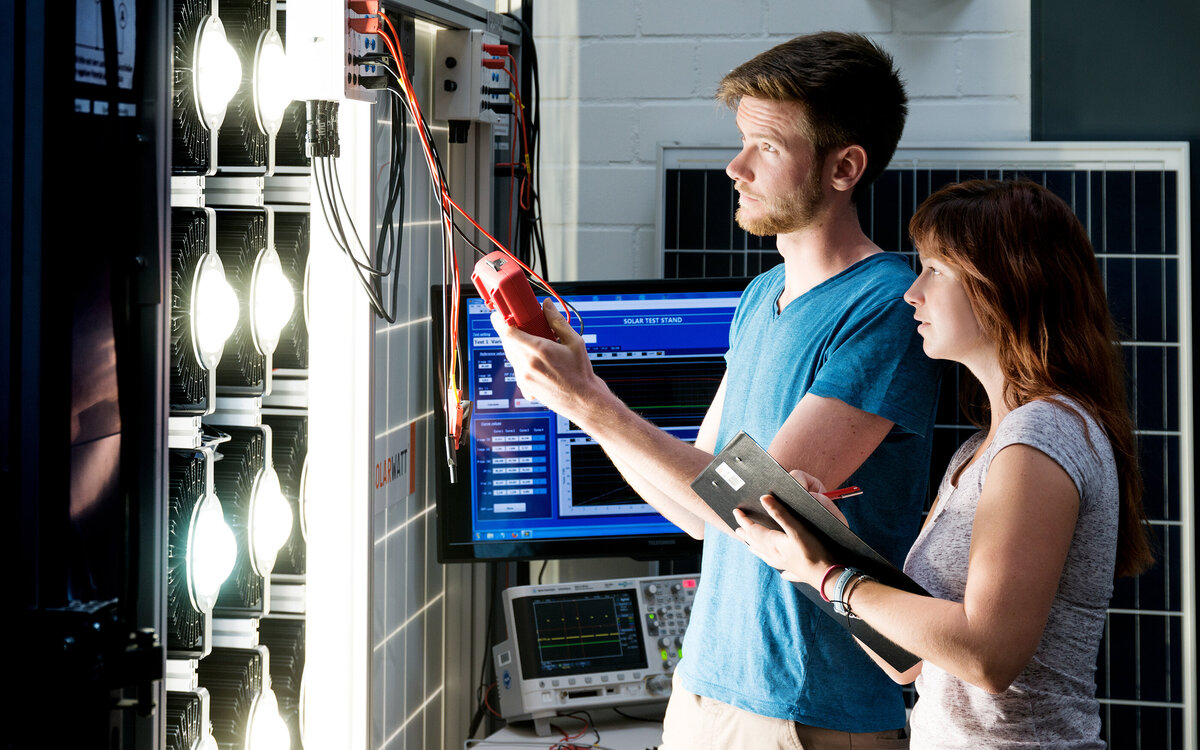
{"type": "Point", "coordinates": [391, 469]}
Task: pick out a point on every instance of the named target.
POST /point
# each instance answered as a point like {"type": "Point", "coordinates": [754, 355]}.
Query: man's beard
{"type": "Point", "coordinates": [787, 213]}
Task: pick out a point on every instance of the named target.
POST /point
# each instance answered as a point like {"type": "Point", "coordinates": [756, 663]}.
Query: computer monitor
{"type": "Point", "coordinates": [532, 485]}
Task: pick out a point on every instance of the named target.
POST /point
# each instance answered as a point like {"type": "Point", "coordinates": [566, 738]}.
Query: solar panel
{"type": "Point", "coordinates": [1132, 200]}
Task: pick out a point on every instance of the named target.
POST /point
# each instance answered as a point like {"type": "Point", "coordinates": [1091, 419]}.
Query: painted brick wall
{"type": "Point", "coordinates": [621, 76]}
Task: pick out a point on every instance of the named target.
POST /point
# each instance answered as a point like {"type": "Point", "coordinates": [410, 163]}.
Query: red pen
{"type": "Point", "coordinates": [851, 491]}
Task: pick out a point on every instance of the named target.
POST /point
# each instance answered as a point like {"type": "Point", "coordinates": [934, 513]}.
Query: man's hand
{"type": "Point", "coordinates": [558, 375]}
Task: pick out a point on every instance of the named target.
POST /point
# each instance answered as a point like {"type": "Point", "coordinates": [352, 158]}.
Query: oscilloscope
{"type": "Point", "coordinates": [590, 644]}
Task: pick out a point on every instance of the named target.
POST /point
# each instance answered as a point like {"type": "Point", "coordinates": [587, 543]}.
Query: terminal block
{"type": "Point", "coordinates": [470, 84]}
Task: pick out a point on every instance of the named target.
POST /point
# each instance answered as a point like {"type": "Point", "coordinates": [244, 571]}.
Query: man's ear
{"type": "Point", "coordinates": [848, 165]}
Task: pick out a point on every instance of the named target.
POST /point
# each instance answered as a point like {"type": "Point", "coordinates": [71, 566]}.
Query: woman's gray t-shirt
{"type": "Point", "coordinates": [1052, 703]}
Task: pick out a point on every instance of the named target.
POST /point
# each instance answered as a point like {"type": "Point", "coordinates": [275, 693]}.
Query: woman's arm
{"type": "Point", "coordinates": [1022, 532]}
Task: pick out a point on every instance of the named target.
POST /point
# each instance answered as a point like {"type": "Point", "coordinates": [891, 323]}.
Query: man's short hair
{"type": "Point", "coordinates": [849, 87]}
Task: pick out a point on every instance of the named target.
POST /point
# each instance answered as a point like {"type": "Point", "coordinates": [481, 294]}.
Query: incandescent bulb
{"type": "Point", "coordinates": [211, 553]}
{"type": "Point", "coordinates": [206, 743]}
{"type": "Point", "coordinates": [270, 521]}
{"type": "Point", "coordinates": [214, 311]}
{"type": "Point", "coordinates": [217, 72]}
{"type": "Point", "coordinates": [267, 730]}
{"type": "Point", "coordinates": [271, 301]}
{"type": "Point", "coordinates": [272, 89]}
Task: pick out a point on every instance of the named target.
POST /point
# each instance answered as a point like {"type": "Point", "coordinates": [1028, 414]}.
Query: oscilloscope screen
{"type": "Point", "coordinates": [569, 634]}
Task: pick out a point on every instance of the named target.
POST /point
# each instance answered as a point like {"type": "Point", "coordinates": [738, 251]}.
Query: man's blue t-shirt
{"type": "Point", "coordinates": [753, 640]}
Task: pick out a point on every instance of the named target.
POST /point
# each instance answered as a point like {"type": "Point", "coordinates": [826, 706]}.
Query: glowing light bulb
{"type": "Point", "coordinates": [212, 550]}
{"type": "Point", "coordinates": [272, 82]}
{"type": "Point", "coordinates": [267, 730]}
{"type": "Point", "coordinates": [217, 72]}
{"type": "Point", "coordinates": [270, 521]}
{"type": "Point", "coordinates": [214, 311]}
{"type": "Point", "coordinates": [303, 499]}
{"type": "Point", "coordinates": [271, 301]}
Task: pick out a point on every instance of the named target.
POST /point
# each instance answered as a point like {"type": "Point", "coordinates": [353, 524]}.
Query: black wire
{"type": "Point", "coordinates": [379, 269]}
{"type": "Point", "coordinates": [589, 723]}
{"type": "Point", "coordinates": [532, 217]}
{"type": "Point", "coordinates": [548, 290]}
{"type": "Point", "coordinates": [480, 696]}
{"type": "Point", "coordinates": [329, 208]}
{"type": "Point", "coordinates": [542, 571]}
{"type": "Point", "coordinates": [619, 712]}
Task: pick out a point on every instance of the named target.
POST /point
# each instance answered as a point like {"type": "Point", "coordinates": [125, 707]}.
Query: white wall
{"type": "Point", "coordinates": [618, 77]}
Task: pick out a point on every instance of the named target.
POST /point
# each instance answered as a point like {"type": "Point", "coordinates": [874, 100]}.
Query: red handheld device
{"type": "Point", "coordinates": [504, 287]}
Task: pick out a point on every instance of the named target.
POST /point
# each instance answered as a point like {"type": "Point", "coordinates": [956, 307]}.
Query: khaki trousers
{"type": "Point", "coordinates": [696, 723]}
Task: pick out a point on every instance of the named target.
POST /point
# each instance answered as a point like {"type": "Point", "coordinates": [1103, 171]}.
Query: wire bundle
{"type": "Point", "coordinates": [374, 271]}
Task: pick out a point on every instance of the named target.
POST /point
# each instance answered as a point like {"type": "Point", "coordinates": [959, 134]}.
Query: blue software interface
{"type": "Point", "coordinates": [534, 474]}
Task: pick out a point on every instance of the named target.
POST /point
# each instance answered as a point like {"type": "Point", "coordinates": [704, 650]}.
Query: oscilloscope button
{"type": "Point", "coordinates": [571, 681]}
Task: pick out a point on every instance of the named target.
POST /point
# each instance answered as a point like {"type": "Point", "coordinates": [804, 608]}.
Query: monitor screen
{"type": "Point", "coordinates": [532, 485]}
{"type": "Point", "coordinates": [567, 634]}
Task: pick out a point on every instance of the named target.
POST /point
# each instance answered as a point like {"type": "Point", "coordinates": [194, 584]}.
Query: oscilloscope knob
{"type": "Point", "coordinates": [659, 685]}
{"type": "Point", "coordinates": [652, 589]}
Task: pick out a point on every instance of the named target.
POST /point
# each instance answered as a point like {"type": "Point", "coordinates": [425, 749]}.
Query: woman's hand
{"type": "Point", "coordinates": [794, 551]}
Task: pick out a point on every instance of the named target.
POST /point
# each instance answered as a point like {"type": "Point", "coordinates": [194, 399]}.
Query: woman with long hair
{"type": "Point", "coordinates": [1037, 513]}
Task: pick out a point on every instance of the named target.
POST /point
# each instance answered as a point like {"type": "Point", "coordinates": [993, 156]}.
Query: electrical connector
{"type": "Point", "coordinates": [364, 7]}
{"type": "Point", "coordinates": [320, 131]}
{"type": "Point", "coordinates": [367, 25]}
{"type": "Point", "coordinates": [498, 50]}
{"type": "Point", "coordinates": [504, 108]}
{"type": "Point", "coordinates": [374, 58]}
{"type": "Point", "coordinates": [496, 90]}
{"type": "Point", "coordinates": [494, 63]}
{"type": "Point", "coordinates": [373, 83]}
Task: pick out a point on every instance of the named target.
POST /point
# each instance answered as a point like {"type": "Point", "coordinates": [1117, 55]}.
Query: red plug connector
{"type": "Point", "coordinates": [493, 62]}
{"type": "Point", "coordinates": [365, 7]}
{"type": "Point", "coordinates": [369, 25]}
{"type": "Point", "coordinates": [499, 50]}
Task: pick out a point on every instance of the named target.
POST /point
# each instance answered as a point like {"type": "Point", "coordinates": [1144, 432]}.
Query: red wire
{"type": "Point", "coordinates": [410, 96]}
{"type": "Point", "coordinates": [448, 201]}
{"type": "Point", "coordinates": [520, 109]}
{"type": "Point", "coordinates": [517, 260]}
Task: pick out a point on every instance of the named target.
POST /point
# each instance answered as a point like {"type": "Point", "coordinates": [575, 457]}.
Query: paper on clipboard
{"type": "Point", "coordinates": [743, 472]}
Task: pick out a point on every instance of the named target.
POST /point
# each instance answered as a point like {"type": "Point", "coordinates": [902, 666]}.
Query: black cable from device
{"type": "Point", "coordinates": [326, 169]}
{"type": "Point", "coordinates": [389, 241]}
{"type": "Point", "coordinates": [380, 267]}
{"type": "Point", "coordinates": [487, 652]}
{"type": "Point", "coordinates": [533, 217]}
{"type": "Point", "coordinates": [631, 717]}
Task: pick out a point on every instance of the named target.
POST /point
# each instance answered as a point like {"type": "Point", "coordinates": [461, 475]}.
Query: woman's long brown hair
{"type": "Point", "coordinates": [1034, 284]}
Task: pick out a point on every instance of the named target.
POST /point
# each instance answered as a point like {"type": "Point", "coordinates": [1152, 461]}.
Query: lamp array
{"type": "Point", "coordinates": [236, 496]}
{"type": "Point", "coordinates": [228, 284]}
{"type": "Point", "coordinates": [230, 79]}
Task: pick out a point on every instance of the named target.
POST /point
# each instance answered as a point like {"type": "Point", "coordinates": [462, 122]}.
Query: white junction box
{"type": "Point", "coordinates": [463, 87]}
